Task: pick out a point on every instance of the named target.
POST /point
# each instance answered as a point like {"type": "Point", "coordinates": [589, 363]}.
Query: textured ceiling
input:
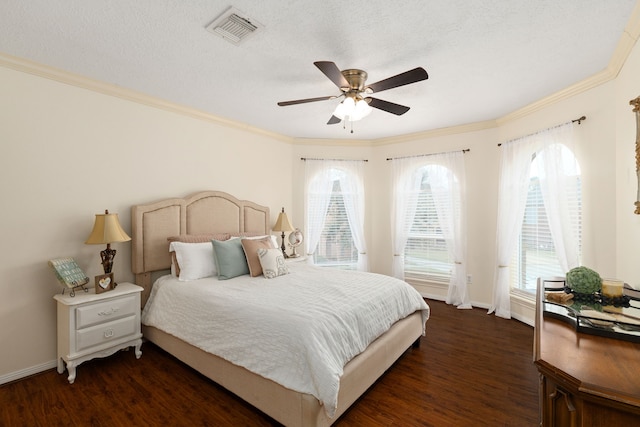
{"type": "Point", "coordinates": [485, 58]}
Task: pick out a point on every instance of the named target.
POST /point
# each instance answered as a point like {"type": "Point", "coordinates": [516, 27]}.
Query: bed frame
{"type": "Point", "coordinates": [219, 212]}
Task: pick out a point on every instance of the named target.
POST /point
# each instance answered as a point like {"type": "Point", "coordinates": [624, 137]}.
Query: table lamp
{"type": "Point", "coordinates": [107, 229]}
{"type": "Point", "coordinates": [283, 224]}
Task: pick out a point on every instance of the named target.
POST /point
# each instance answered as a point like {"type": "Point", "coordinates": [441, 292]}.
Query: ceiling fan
{"type": "Point", "coordinates": [352, 84]}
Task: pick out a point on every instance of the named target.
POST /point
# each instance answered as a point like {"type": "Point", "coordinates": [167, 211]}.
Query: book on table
{"type": "Point", "coordinates": [68, 272]}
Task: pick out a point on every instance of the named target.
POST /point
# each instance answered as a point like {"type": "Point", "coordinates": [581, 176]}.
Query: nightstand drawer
{"type": "Point", "coordinates": [106, 311]}
{"type": "Point", "coordinates": [106, 332]}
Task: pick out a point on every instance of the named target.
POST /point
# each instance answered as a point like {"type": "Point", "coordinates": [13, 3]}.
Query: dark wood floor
{"type": "Point", "coordinates": [472, 369]}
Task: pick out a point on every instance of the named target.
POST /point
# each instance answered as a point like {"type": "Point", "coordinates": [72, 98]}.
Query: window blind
{"type": "Point", "coordinates": [336, 247]}
{"type": "Point", "coordinates": [426, 252]}
{"type": "Point", "coordinates": [535, 255]}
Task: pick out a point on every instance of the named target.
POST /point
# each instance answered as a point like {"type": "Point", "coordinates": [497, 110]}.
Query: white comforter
{"type": "Point", "coordinates": [298, 329]}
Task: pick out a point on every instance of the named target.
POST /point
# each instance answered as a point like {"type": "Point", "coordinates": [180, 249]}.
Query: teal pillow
{"type": "Point", "coordinates": [230, 259]}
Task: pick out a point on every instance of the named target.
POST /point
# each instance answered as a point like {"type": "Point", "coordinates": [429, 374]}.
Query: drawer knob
{"type": "Point", "coordinates": [108, 312]}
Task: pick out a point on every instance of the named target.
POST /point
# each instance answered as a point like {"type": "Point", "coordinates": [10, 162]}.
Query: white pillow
{"type": "Point", "coordinates": [195, 260]}
{"type": "Point", "coordinates": [272, 262]}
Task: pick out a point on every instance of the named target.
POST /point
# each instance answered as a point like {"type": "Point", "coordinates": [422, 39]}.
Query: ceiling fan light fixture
{"type": "Point", "coordinates": [345, 108]}
{"type": "Point", "coordinates": [352, 110]}
{"type": "Point", "coordinates": [361, 110]}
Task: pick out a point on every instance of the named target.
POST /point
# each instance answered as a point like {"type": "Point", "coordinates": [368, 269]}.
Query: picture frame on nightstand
{"type": "Point", "coordinates": [104, 283]}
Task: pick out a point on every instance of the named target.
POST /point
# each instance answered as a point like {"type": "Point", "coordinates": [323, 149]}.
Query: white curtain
{"type": "Point", "coordinates": [557, 179]}
{"type": "Point", "coordinates": [449, 195]}
{"type": "Point", "coordinates": [515, 167]}
{"type": "Point", "coordinates": [318, 188]}
{"type": "Point", "coordinates": [405, 181]}
{"type": "Point", "coordinates": [319, 178]}
{"type": "Point", "coordinates": [352, 185]}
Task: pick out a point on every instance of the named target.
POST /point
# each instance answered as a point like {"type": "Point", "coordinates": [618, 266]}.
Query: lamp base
{"type": "Point", "coordinates": [284, 249]}
{"type": "Point", "coordinates": [107, 257]}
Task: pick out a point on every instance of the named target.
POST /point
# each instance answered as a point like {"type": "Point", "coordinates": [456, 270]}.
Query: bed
{"type": "Point", "coordinates": [214, 212]}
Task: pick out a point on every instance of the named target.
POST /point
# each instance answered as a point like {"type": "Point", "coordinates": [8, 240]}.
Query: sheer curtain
{"type": "Point", "coordinates": [558, 173]}
{"type": "Point", "coordinates": [515, 168]}
{"type": "Point", "coordinates": [319, 178]}
{"type": "Point", "coordinates": [449, 194]}
{"type": "Point", "coordinates": [352, 184]}
{"type": "Point", "coordinates": [318, 188]}
{"type": "Point", "coordinates": [405, 181]}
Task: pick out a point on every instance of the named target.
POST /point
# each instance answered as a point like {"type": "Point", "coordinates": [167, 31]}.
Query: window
{"type": "Point", "coordinates": [535, 255]}
{"type": "Point", "coordinates": [334, 213]}
{"type": "Point", "coordinates": [426, 253]}
{"type": "Point", "coordinates": [336, 247]}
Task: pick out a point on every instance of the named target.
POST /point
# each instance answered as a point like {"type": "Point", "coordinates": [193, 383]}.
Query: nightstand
{"type": "Point", "coordinates": [94, 325]}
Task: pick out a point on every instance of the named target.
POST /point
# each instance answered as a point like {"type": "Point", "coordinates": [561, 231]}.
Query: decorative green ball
{"type": "Point", "coordinates": [584, 280]}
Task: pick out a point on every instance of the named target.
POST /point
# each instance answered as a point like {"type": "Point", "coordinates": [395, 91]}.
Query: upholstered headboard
{"type": "Point", "coordinates": [204, 212]}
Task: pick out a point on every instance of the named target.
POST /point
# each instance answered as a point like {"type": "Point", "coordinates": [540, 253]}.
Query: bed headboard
{"type": "Point", "coordinates": [199, 213]}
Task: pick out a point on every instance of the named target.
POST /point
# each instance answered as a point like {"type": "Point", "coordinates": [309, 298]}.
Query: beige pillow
{"type": "Point", "coordinates": [250, 247]}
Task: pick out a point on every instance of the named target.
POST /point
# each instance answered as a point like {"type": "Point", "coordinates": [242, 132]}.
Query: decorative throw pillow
{"type": "Point", "coordinates": [193, 260]}
{"type": "Point", "coordinates": [250, 247]}
{"type": "Point", "coordinates": [230, 259]}
{"type": "Point", "coordinates": [253, 236]}
{"type": "Point", "coordinates": [272, 262]}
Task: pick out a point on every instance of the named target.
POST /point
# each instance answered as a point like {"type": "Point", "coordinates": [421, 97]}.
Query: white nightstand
{"type": "Point", "coordinates": [94, 325]}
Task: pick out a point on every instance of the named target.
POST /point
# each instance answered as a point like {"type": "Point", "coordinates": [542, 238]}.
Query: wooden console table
{"type": "Point", "coordinates": [585, 380]}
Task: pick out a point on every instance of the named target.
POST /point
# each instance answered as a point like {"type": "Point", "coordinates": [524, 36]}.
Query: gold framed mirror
{"type": "Point", "coordinates": [636, 109]}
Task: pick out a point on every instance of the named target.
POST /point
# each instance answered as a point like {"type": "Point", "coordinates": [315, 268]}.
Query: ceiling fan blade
{"type": "Point", "coordinates": [408, 77]}
{"type": "Point", "coordinates": [387, 106]}
{"type": "Point", "coordinates": [332, 71]}
{"type": "Point", "coordinates": [303, 101]}
{"type": "Point", "coordinates": [333, 120]}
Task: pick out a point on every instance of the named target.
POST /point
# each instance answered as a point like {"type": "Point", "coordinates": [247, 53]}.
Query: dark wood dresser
{"type": "Point", "coordinates": [585, 380]}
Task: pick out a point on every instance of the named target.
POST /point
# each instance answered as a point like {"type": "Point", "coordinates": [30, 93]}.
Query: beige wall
{"type": "Point", "coordinates": [628, 224]}
{"type": "Point", "coordinates": [69, 152]}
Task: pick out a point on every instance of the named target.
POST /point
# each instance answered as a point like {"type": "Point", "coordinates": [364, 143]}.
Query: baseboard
{"type": "Point", "coordinates": [522, 310]}
{"type": "Point", "coordinates": [23, 373]}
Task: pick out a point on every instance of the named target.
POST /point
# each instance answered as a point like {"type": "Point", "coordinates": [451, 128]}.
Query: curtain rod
{"type": "Point", "coordinates": [425, 155]}
{"type": "Point", "coordinates": [579, 120]}
{"type": "Point", "coordinates": [335, 160]}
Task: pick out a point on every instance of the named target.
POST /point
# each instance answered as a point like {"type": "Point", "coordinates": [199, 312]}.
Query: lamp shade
{"type": "Point", "coordinates": [107, 229]}
{"type": "Point", "coordinates": [282, 223]}
{"type": "Point", "coordinates": [352, 109]}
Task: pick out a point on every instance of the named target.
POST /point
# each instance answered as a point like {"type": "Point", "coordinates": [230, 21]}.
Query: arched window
{"type": "Point", "coordinates": [334, 220]}
{"type": "Point", "coordinates": [336, 247]}
{"type": "Point", "coordinates": [428, 221]}
{"type": "Point", "coordinates": [535, 254]}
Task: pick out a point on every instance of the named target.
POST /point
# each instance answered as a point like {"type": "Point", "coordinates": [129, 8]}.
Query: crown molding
{"type": "Point", "coordinates": [575, 89]}
{"type": "Point", "coordinates": [334, 142]}
{"type": "Point", "coordinates": [454, 130]}
{"type": "Point", "coordinates": [47, 72]}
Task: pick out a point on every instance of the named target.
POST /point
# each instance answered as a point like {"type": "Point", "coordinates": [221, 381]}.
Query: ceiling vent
{"type": "Point", "coordinates": [234, 26]}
